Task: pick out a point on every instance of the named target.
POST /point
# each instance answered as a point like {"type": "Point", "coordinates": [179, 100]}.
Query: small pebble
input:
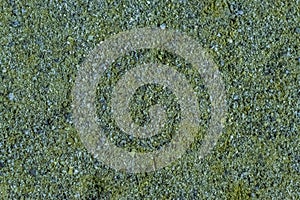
{"type": "Point", "coordinates": [240, 12]}
{"type": "Point", "coordinates": [32, 172]}
{"type": "Point", "coordinates": [26, 132]}
{"type": "Point", "coordinates": [222, 62]}
{"type": "Point", "coordinates": [23, 11]}
{"type": "Point", "coordinates": [235, 97]}
{"type": "Point", "coordinates": [163, 26]}
{"type": "Point", "coordinates": [11, 96]}
{"type": "Point", "coordinates": [15, 23]}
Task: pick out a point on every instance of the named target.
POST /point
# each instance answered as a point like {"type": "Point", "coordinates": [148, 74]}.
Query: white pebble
{"type": "Point", "coordinates": [163, 26]}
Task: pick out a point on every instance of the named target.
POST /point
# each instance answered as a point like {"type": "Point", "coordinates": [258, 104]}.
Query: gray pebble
{"type": "Point", "coordinates": [11, 96]}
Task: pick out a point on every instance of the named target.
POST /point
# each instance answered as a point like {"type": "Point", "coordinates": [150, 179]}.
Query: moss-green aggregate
{"type": "Point", "coordinates": [256, 45]}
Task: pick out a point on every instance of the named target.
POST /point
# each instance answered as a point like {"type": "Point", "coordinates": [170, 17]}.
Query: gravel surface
{"type": "Point", "coordinates": [256, 47]}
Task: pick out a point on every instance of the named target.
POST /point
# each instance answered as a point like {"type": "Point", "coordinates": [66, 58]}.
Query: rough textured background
{"type": "Point", "coordinates": [256, 45]}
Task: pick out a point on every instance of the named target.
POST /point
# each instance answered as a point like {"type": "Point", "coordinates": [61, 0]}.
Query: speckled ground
{"type": "Point", "coordinates": [256, 45]}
